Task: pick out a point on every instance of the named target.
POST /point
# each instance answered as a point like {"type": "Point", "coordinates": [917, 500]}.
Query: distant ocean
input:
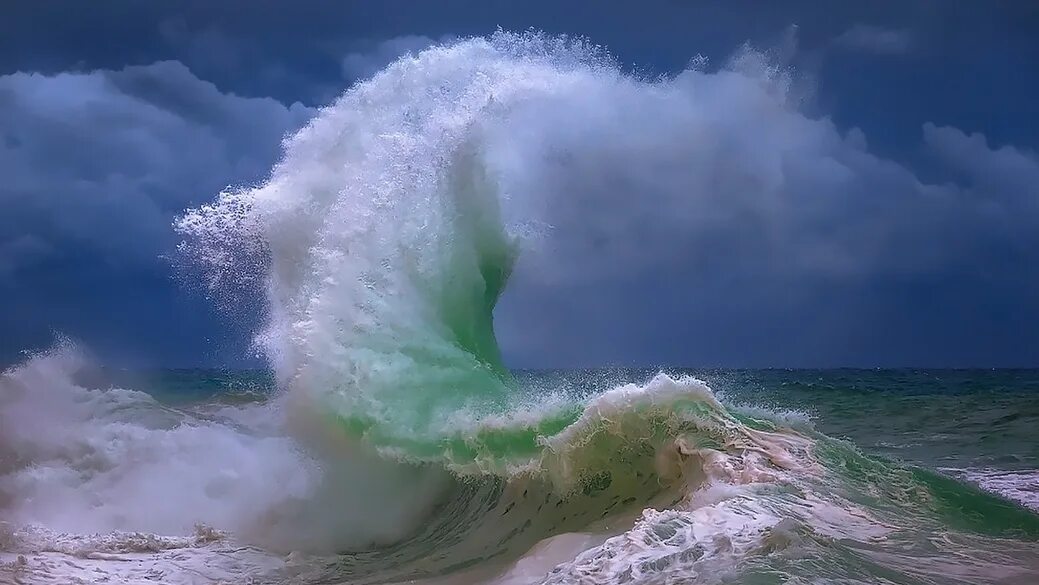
{"type": "Point", "coordinates": [390, 442]}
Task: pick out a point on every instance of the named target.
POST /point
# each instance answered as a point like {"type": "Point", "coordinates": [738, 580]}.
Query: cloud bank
{"type": "Point", "coordinates": [709, 217]}
{"type": "Point", "coordinates": [711, 220]}
{"type": "Point", "coordinates": [96, 164]}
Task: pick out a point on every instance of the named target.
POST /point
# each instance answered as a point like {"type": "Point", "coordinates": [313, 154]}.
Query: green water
{"type": "Point", "coordinates": [864, 476]}
{"type": "Point", "coordinates": [938, 419]}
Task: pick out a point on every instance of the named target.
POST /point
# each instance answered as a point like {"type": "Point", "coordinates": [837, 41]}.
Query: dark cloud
{"type": "Point", "coordinates": [291, 51]}
{"type": "Point", "coordinates": [96, 165]}
{"type": "Point", "coordinates": [897, 249]}
{"type": "Point", "coordinates": [369, 57]}
{"type": "Point", "coordinates": [716, 220]}
{"type": "Point", "coordinates": [1006, 172]}
{"type": "Point", "coordinates": [875, 39]}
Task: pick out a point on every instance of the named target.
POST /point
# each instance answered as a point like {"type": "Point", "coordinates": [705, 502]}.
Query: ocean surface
{"type": "Point", "coordinates": [771, 476]}
{"type": "Point", "coordinates": [389, 442]}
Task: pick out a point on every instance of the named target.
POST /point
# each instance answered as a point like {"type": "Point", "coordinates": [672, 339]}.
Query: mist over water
{"type": "Point", "coordinates": [397, 445]}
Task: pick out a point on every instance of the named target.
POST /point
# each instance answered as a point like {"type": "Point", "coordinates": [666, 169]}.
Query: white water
{"type": "Point", "coordinates": [108, 482]}
{"type": "Point", "coordinates": [1020, 486]}
{"type": "Point", "coordinates": [82, 460]}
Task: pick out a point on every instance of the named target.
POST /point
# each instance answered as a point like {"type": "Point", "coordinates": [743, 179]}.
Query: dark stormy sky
{"type": "Point", "coordinates": [116, 116]}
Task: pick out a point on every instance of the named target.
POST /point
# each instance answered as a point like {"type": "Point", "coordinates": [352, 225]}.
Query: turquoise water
{"type": "Point", "coordinates": [897, 476]}
{"type": "Point", "coordinates": [938, 418]}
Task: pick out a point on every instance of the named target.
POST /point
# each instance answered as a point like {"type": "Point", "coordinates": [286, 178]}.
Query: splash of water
{"type": "Point", "coordinates": [383, 238]}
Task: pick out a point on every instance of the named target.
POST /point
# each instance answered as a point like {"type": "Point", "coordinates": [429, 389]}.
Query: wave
{"type": "Point", "coordinates": [384, 239]}
{"type": "Point", "coordinates": [382, 245]}
{"type": "Point", "coordinates": [400, 447]}
{"type": "Point", "coordinates": [1018, 485]}
{"type": "Point", "coordinates": [649, 482]}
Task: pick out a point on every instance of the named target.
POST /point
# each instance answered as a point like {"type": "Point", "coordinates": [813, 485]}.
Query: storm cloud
{"type": "Point", "coordinates": [96, 165]}
{"type": "Point", "coordinates": [887, 218]}
{"type": "Point", "coordinates": [875, 39]}
{"type": "Point", "coordinates": [713, 217]}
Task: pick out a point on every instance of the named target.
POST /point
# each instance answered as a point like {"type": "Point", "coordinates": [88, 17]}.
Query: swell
{"type": "Point", "coordinates": [382, 246]}
{"type": "Point", "coordinates": [630, 448]}
{"type": "Point", "coordinates": [646, 482]}
{"type": "Point", "coordinates": [662, 480]}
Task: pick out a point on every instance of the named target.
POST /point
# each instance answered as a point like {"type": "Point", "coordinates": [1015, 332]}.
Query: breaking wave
{"type": "Point", "coordinates": [398, 445]}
